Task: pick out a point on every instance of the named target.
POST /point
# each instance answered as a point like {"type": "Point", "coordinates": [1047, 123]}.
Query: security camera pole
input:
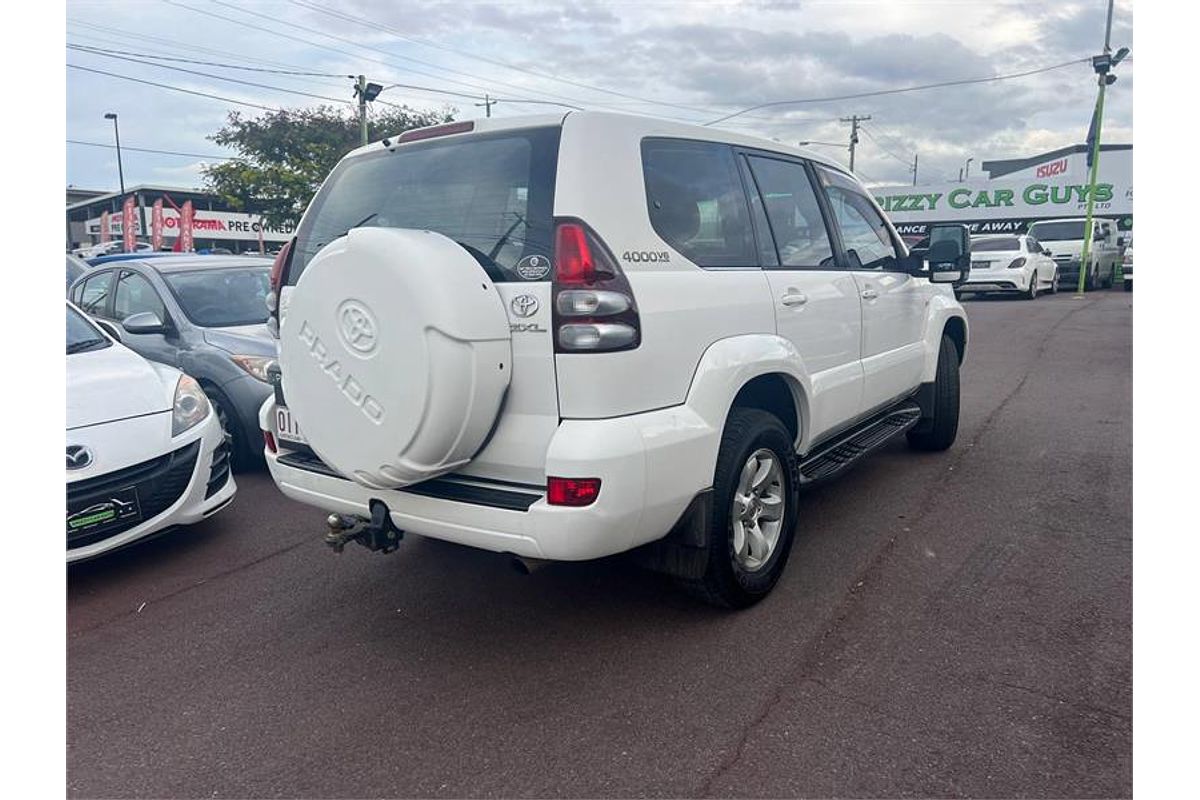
{"type": "Point", "coordinates": [1102, 64]}
{"type": "Point", "coordinates": [365, 92]}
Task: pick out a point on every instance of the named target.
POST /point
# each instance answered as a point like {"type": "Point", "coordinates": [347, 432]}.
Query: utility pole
{"type": "Point", "coordinates": [914, 169]}
{"type": "Point", "coordinates": [1101, 65]}
{"type": "Point", "coordinates": [854, 120]}
{"type": "Point", "coordinates": [361, 91]}
{"type": "Point", "coordinates": [487, 104]}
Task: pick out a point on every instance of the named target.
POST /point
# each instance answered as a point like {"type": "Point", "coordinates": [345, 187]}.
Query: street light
{"type": "Point", "coordinates": [117, 133]}
{"type": "Point", "coordinates": [826, 144]}
{"type": "Point", "coordinates": [967, 171]}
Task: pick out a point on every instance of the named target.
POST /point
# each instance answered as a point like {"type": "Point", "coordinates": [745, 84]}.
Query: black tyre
{"type": "Point", "coordinates": [1054, 282]}
{"type": "Point", "coordinates": [239, 449]}
{"type": "Point", "coordinates": [938, 432]}
{"type": "Point", "coordinates": [1090, 284]}
{"type": "Point", "coordinates": [1129, 286]}
{"type": "Point", "coordinates": [1032, 292]}
{"type": "Point", "coordinates": [754, 511]}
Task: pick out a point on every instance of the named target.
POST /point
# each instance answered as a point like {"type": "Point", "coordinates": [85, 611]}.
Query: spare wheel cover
{"type": "Point", "coordinates": [395, 354]}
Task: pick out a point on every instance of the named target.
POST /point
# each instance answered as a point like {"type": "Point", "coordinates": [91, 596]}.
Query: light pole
{"type": "Point", "coordinates": [117, 133]}
{"type": "Point", "coordinates": [967, 170]}
{"type": "Point", "coordinates": [1101, 65]}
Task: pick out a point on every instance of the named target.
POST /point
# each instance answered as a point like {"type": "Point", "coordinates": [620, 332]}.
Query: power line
{"type": "Point", "coordinates": [211, 75]}
{"type": "Point", "coordinates": [871, 136]}
{"type": "Point", "coordinates": [148, 150]}
{"type": "Point", "coordinates": [881, 92]}
{"type": "Point", "coordinates": [377, 25]}
{"type": "Point", "coordinates": [175, 43]}
{"type": "Point", "coordinates": [174, 88]}
{"type": "Point", "coordinates": [276, 32]}
{"type": "Point", "coordinates": [105, 51]}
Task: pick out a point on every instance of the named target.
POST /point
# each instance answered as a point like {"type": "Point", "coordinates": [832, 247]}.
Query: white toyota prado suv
{"type": "Point", "coordinates": [564, 337]}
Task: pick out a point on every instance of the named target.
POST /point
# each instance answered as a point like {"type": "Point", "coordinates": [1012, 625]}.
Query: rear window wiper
{"type": "Point", "coordinates": [358, 224]}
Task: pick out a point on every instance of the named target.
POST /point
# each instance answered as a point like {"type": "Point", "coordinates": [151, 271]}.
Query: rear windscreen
{"type": "Point", "coordinates": [1057, 231]}
{"type": "Point", "coordinates": [998, 244]}
{"type": "Point", "coordinates": [491, 193]}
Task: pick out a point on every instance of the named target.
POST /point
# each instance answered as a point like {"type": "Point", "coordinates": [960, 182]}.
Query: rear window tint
{"type": "Point", "coordinates": [493, 194]}
{"type": "Point", "coordinates": [696, 201]}
{"type": "Point", "coordinates": [996, 244]}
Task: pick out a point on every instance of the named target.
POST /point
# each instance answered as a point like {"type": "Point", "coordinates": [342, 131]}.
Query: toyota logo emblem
{"type": "Point", "coordinates": [524, 305]}
{"type": "Point", "coordinates": [357, 327]}
{"type": "Point", "coordinates": [78, 456]}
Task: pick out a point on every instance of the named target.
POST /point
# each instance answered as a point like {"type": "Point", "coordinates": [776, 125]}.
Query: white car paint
{"type": "Point", "coordinates": [119, 407]}
{"type": "Point", "coordinates": [647, 421]}
{"type": "Point", "coordinates": [1011, 269]}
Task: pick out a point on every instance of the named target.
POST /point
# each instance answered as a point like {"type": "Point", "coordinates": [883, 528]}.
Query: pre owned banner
{"type": "Point", "coordinates": [184, 242]}
{"type": "Point", "coordinates": [220, 225]}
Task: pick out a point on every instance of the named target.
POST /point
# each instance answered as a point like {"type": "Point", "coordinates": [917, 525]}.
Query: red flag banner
{"type": "Point", "coordinates": [127, 228]}
{"type": "Point", "coordinates": [105, 229]}
{"type": "Point", "coordinates": [185, 228]}
{"type": "Point", "coordinates": [156, 225]}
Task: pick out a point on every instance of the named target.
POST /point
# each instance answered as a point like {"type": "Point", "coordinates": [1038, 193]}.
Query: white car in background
{"type": "Point", "coordinates": [1010, 265]}
{"type": "Point", "coordinates": [144, 450]}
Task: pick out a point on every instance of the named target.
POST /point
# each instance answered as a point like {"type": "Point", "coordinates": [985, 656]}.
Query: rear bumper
{"type": "Point", "coordinates": [649, 466]}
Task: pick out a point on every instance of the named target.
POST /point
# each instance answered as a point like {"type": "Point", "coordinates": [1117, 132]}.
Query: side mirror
{"type": "Point", "coordinates": [145, 322]}
{"type": "Point", "coordinates": [949, 254]}
{"type": "Point", "coordinates": [1046, 252]}
{"type": "Point", "coordinates": [1120, 241]}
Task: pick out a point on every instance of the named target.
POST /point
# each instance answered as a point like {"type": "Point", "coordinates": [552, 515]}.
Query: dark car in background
{"type": "Point", "coordinates": [202, 314]}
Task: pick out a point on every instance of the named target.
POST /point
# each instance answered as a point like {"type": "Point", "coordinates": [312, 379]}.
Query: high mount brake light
{"type": "Point", "coordinates": [594, 309]}
{"type": "Point", "coordinates": [277, 266]}
{"type": "Point", "coordinates": [434, 131]}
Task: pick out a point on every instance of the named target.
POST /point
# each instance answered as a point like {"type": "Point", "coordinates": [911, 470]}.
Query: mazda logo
{"type": "Point", "coordinates": [78, 456]}
{"type": "Point", "coordinates": [524, 305]}
{"type": "Point", "coordinates": [357, 327]}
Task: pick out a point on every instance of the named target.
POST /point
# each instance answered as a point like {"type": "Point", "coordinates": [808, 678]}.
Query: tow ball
{"type": "Point", "coordinates": [378, 533]}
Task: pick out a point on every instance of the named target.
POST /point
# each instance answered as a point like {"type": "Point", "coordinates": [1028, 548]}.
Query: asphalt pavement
{"type": "Point", "coordinates": [953, 624]}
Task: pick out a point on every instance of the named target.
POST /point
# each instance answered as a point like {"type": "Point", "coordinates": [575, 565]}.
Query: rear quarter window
{"type": "Point", "coordinates": [696, 201]}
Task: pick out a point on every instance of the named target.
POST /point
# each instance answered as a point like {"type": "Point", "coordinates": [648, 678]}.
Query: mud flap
{"type": "Point", "coordinates": [682, 553]}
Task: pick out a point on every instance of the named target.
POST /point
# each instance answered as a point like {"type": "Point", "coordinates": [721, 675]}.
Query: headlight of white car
{"type": "Point", "coordinates": [255, 365]}
{"type": "Point", "coordinates": [191, 405]}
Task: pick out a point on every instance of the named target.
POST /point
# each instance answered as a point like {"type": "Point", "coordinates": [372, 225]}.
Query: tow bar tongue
{"type": "Point", "coordinates": [379, 533]}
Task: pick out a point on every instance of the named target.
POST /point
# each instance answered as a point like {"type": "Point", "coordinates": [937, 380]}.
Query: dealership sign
{"type": "Point", "coordinates": [1051, 189]}
{"type": "Point", "coordinates": [224, 225]}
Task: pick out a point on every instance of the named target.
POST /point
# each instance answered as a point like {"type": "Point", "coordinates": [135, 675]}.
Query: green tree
{"type": "Point", "coordinates": [282, 156]}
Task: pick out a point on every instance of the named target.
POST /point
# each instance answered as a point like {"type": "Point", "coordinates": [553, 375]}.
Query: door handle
{"type": "Point", "coordinates": [869, 294]}
{"type": "Point", "coordinates": [794, 299]}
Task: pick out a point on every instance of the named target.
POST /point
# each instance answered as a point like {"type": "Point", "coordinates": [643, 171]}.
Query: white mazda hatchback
{"type": "Point", "coordinates": [144, 450]}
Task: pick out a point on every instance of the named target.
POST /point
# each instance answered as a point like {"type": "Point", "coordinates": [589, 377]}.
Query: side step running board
{"type": "Point", "coordinates": [839, 454]}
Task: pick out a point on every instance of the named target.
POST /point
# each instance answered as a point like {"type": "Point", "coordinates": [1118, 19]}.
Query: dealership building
{"type": "Point", "coordinates": [1015, 192]}
{"type": "Point", "coordinates": [215, 223]}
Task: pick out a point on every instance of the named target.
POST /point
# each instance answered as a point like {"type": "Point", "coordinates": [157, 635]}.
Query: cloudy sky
{"type": "Point", "coordinates": [693, 61]}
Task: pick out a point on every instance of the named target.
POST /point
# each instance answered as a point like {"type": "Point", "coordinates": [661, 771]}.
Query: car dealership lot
{"type": "Point", "coordinates": [949, 624]}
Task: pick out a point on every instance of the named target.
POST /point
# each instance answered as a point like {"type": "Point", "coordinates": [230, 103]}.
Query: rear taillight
{"type": "Point", "coordinates": [278, 275]}
{"type": "Point", "coordinates": [572, 491]}
{"type": "Point", "coordinates": [593, 306]}
{"type": "Point", "coordinates": [1017, 263]}
{"type": "Point", "coordinates": [269, 441]}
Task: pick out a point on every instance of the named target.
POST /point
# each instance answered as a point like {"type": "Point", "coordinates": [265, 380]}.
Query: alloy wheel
{"type": "Point", "coordinates": [758, 510]}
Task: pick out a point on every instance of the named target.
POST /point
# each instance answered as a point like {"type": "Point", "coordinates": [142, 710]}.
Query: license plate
{"type": "Point", "coordinates": [120, 508]}
{"type": "Point", "coordinates": [286, 426]}
{"type": "Point", "coordinates": [981, 265]}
